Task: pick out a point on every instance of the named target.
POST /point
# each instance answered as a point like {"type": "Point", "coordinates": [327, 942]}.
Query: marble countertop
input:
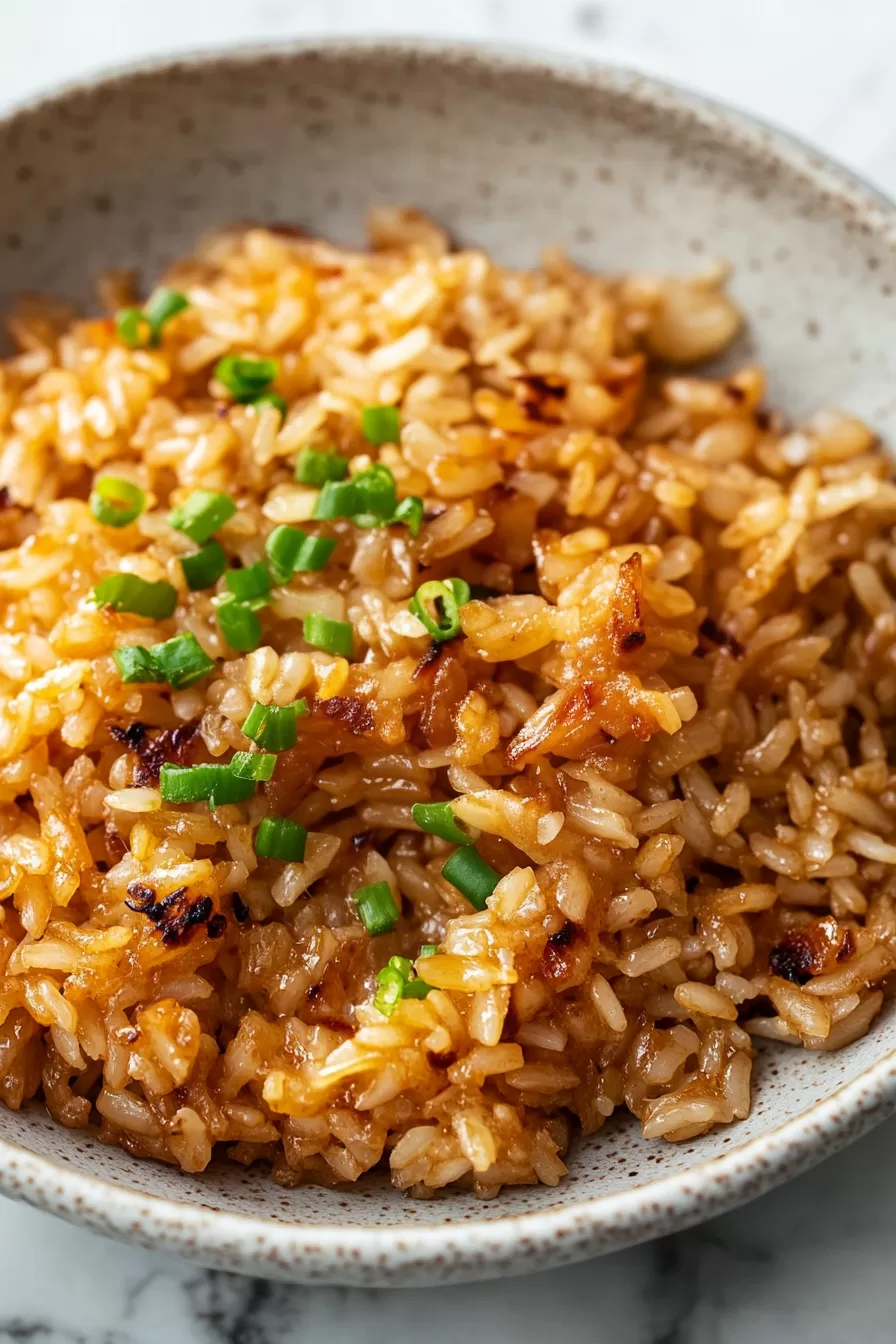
{"type": "Point", "coordinates": [810, 1261]}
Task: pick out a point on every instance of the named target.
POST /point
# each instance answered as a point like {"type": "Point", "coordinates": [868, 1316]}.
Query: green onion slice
{"type": "Point", "coordinates": [128, 592]}
{"type": "Point", "coordinates": [280, 838]}
{"type": "Point", "coordinates": [337, 499]}
{"type": "Point", "coordinates": [438, 819]}
{"type": "Point", "coordinates": [377, 909]}
{"type": "Point", "coordinates": [271, 399]}
{"type": "Point", "coordinates": [214, 784]}
{"type": "Point", "coordinates": [239, 625]}
{"type": "Point", "coordinates": [436, 605]}
{"type": "Point", "coordinates": [314, 554]}
{"type": "Point", "coordinates": [397, 980]}
{"type": "Point", "coordinates": [246, 379]}
{"type": "Point", "coordinates": [132, 327]}
{"type": "Point", "coordinates": [202, 514]}
{"type": "Point", "coordinates": [182, 661]}
{"type": "Point", "coordinates": [332, 636]}
{"type": "Point", "coordinates": [162, 305]}
{"type": "Point", "coordinates": [410, 511]}
{"type": "Point", "coordinates": [316, 468]}
{"type": "Point", "coordinates": [273, 727]}
{"type": "Point", "coordinates": [136, 663]}
{"type": "Point", "coordinates": [253, 764]}
{"type": "Point", "coordinates": [375, 493]}
{"type": "Point", "coordinates": [203, 569]}
{"type": "Point", "coordinates": [283, 548]}
{"type": "Point", "coordinates": [381, 424]}
{"type": "Point", "coordinates": [248, 583]}
{"type": "Point", "coordinates": [115, 501]}
{"type": "Point", "coordinates": [467, 870]}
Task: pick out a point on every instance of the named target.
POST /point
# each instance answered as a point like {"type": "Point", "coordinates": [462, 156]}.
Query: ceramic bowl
{"type": "Point", "coordinates": [509, 152]}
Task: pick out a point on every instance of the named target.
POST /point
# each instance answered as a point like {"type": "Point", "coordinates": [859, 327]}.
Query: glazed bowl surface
{"type": "Point", "coordinates": [510, 152]}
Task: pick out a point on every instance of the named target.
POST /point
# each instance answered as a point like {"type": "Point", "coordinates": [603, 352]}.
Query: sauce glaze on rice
{"type": "Point", "coordinates": [670, 726]}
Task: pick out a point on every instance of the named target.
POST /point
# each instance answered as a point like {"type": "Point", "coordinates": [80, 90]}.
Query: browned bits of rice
{"type": "Point", "coordinates": [670, 722]}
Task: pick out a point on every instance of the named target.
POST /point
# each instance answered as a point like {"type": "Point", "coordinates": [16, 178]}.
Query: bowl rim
{"type": "Point", "coordinates": [461, 1251]}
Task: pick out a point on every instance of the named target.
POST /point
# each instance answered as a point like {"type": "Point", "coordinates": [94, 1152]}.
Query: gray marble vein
{"type": "Point", "coordinates": [812, 1261]}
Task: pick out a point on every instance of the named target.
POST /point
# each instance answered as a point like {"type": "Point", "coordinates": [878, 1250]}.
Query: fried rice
{"type": "Point", "coordinates": [664, 720]}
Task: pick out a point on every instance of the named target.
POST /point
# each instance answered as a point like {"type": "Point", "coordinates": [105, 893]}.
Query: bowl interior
{"type": "Point", "coordinates": [509, 156]}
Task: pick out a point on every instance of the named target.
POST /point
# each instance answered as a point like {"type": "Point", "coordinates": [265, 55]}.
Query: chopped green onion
{"type": "Point", "coordinates": [128, 592]}
{"type": "Point", "coordinates": [204, 568]}
{"type": "Point", "coordinates": [271, 399]}
{"type": "Point", "coordinates": [438, 819]}
{"type": "Point", "coordinates": [273, 727]}
{"type": "Point", "coordinates": [283, 548]}
{"type": "Point", "coordinates": [391, 990]}
{"type": "Point", "coordinates": [398, 981]}
{"type": "Point", "coordinates": [376, 908]}
{"type": "Point", "coordinates": [132, 327]}
{"type": "Point", "coordinates": [201, 514]}
{"type": "Point", "coordinates": [316, 468]}
{"type": "Point", "coordinates": [337, 499]}
{"type": "Point", "coordinates": [246, 379]}
{"type": "Point", "coordinates": [253, 764]}
{"type": "Point", "coordinates": [280, 838]}
{"type": "Point", "coordinates": [375, 491]}
{"type": "Point", "coordinates": [136, 663]}
{"type": "Point", "coordinates": [246, 584]}
{"type": "Point", "coordinates": [182, 661]}
{"type": "Point", "coordinates": [445, 599]}
{"type": "Point", "coordinates": [381, 424]}
{"type": "Point", "coordinates": [115, 502]}
{"type": "Point", "coordinates": [143, 326]}
{"type": "Point", "coordinates": [314, 554]}
{"type": "Point", "coordinates": [159, 307]}
{"type": "Point", "coordinates": [474, 878]}
{"type": "Point", "coordinates": [410, 511]}
{"type": "Point", "coordinates": [239, 625]}
{"type": "Point", "coordinates": [214, 784]}
{"type": "Point", "coordinates": [427, 950]}
{"type": "Point", "coordinates": [331, 636]}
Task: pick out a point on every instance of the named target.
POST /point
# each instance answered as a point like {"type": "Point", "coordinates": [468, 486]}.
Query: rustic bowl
{"type": "Point", "coordinates": [510, 152]}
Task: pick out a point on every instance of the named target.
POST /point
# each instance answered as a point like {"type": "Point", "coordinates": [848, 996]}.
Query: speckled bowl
{"type": "Point", "coordinates": [510, 152]}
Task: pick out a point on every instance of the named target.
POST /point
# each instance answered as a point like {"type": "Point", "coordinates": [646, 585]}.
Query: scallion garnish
{"type": "Point", "coordinates": [398, 980]}
{"type": "Point", "coordinates": [467, 870]}
{"type": "Point", "coordinates": [251, 582]}
{"type": "Point", "coordinates": [246, 379]}
{"type": "Point", "coordinates": [202, 514]}
{"type": "Point", "coordinates": [316, 468]}
{"type": "Point", "coordinates": [253, 764]}
{"type": "Point", "coordinates": [128, 592]}
{"type": "Point", "coordinates": [283, 547]}
{"type": "Point", "coordinates": [239, 625]}
{"type": "Point", "coordinates": [337, 499]}
{"type": "Point", "coordinates": [335, 637]}
{"type": "Point", "coordinates": [375, 493]}
{"type": "Point", "coordinates": [270, 399]}
{"type": "Point", "coordinates": [438, 819]}
{"type": "Point", "coordinates": [381, 424]}
{"type": "Point", "coordinates": [377, 909]}
{"type": "Point", "coordinates": [436, 604]}
{"type": "Point", "coordinates": [214, 784]}
{"type": "Point", "coordinates": [410, 511]}
{"type": "Point", "coordinates": [143, 326]}
{"type": "Point", "coordinates": [273, 727]}
{"type": "Point", "coordinates": [115, 501]}
{"type": "Point", "coordinates": [280, 838]}
{"type": "Point", "coordinates": [314, 554]}
{"type": "Point", "coordinates": [182, 661]}
{"type": "Point", "coordinates": [204, 568]}
{"type": "Point", "coordinates": [136, 663]}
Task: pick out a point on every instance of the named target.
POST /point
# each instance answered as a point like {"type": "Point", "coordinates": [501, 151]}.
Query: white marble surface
{"type": "Point", "coordinates": [810, 1262]}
